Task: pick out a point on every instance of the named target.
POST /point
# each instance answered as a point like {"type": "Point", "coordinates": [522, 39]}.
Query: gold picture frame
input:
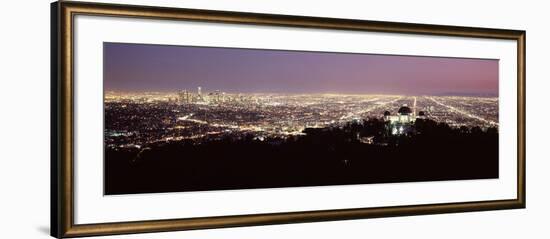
{"type": "Point", "coordinates": [62, 33]}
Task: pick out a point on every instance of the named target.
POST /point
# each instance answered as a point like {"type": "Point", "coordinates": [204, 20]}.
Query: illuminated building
{"type": "Point", "coordinates": [402, 122]}
{"type": "Point", "coordinates": [184, 97]}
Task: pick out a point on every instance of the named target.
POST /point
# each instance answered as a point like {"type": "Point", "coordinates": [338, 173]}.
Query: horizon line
{"type": "Point", "coordinates": [305, 93]}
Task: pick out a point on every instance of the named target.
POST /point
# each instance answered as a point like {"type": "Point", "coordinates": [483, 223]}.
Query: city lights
{"type": "Point", "coordinates": [137, 119]}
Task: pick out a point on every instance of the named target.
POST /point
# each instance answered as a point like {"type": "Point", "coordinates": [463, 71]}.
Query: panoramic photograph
{"type": "Point", "coordinates": [191, 118]}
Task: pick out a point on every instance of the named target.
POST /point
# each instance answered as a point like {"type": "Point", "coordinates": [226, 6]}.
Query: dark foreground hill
{"type": "Point", "coordinates": [326, 156]}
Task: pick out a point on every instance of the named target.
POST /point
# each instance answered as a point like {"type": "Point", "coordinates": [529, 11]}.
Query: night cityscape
{"type": "Point", "coordinates": [140, 119]}
{"type": "Point", "coordinates": [200, 118]}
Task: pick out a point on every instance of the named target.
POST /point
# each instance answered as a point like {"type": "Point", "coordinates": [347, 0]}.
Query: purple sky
{"type": "Point", "coordinates": [140, 67]}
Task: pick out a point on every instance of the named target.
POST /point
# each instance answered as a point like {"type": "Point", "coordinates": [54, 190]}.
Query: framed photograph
{"type": "Point", "coordinates": [170, 119]}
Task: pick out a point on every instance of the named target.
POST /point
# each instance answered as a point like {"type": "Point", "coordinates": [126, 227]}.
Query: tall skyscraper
{"type": "Point", "coordinates": [183, 96]}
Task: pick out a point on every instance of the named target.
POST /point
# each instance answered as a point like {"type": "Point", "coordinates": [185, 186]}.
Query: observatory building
{"type": "Point", "coordinates": [402, 122]}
